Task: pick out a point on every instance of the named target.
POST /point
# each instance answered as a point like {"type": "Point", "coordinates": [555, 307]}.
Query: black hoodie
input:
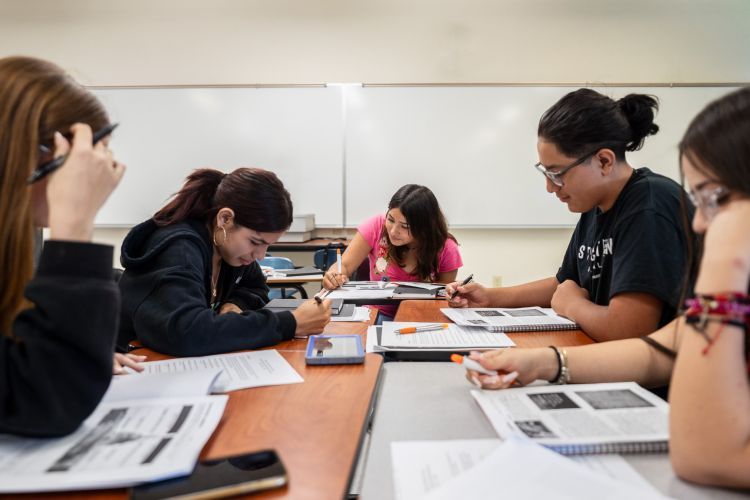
{"type": "Point", "coordinates": [166, 295]}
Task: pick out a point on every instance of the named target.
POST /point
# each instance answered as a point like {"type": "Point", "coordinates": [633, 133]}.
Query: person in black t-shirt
{"type": "Point", "coordinates": [622, 273]}
{"type": "Point", "coordinates": [705, 353]}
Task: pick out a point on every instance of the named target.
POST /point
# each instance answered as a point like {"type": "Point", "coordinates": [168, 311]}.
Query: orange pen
{"type": "Point", "coordinates": [423, 328]}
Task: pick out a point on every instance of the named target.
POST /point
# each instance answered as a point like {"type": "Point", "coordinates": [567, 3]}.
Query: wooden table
{"type": "Point", "coordinates": [316, 427]}
{"type": "Point", "coordinates": [429, 311]}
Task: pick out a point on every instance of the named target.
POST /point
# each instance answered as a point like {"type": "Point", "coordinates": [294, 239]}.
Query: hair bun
{"type": "Point", "coordinates": [639, 110]}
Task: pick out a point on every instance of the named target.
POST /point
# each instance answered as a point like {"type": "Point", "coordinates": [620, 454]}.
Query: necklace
{"type": "Point", "coordinates": [214, 282]}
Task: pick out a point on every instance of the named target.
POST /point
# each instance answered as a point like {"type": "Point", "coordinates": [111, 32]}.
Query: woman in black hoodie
{"type": "Point", "coordinates": [192, 286]}
{"type": "Point", "coordinates": [58, 327]}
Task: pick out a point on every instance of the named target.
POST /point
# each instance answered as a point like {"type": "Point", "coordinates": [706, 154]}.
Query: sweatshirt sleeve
{"type": "Point", "coordinates": [57, 364]}
{"type": "Point", "coordinates": [174, 318]}
{"type": "Point", "coordinates": [251, 291]}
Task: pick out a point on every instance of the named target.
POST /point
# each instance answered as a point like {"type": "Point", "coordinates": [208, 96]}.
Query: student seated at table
{"type": "Point", "coordinates": [192, 285]}
{"type": "Point", "coordinates": [622, 272]}
{"type": "Point", "coordinates": [707, 350]}
{"type": "Point", "coordinates": [410, 242]}
{"type": "Point", "coordinates": [58, 324]}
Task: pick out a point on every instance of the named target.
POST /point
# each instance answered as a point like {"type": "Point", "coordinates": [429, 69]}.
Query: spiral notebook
{"type": "Point", "coordinates": [581, 419]}
{"type": "Point", "coordinates": [522, 319]}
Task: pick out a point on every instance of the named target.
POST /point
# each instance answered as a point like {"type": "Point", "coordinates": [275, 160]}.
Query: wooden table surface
{"type": "Point", "coordinates": [316, 427]}
{"type": "Point", "coordinates": [429, 311]}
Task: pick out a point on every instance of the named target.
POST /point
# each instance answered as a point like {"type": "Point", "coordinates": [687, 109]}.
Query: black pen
{"type": "Point", "coordinates": [52, 165]}
{"type": "Point", "coordinates": [464, 282]}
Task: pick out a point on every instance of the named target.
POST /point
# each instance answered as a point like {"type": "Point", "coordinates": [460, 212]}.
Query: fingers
{"type": "Point", "coordinates": [500, 381]}
{"type": "Point", "coordinates": [62, 146]}
{"type": "Point", "coordinates": [127, 360]}
{"type": "Point", "coordinates": [82, 136]}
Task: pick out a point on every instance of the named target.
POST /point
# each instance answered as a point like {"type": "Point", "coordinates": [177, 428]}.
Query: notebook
{"type": "Point", "coordinates": [579, 419]}
{"type": "Point", "coordinates": [522, 319]}
{"type": "Point", "coordinates": [299, 271]}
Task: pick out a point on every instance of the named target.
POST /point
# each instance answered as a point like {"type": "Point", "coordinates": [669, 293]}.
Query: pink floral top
{"type": "Point", "coordinates": [448, 260]}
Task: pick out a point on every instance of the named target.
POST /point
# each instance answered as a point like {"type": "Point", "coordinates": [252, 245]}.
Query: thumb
{"type": "Point", "coordinates": [62, 146]}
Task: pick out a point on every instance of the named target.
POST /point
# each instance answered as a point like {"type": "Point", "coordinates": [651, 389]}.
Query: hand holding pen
{"type": "Point", "coordinates": [496, 369]}
{"type": "Point", "coordinates": [467, 294]}
{"type": "Point", "coordinates": [335, 276]}
{"type": "Point", "coordinates": [81, 185]}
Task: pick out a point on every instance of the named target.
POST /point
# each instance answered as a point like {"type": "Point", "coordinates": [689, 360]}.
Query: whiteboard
{"type": "Point", "coordinates": [475, 147]}
{"type": "Point", "coordinates": [165, 133]}
{"type": "Point", "coordinates": [342, 151]}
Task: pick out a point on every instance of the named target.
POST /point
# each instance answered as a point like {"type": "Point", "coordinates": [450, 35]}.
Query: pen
{"type": "Point", "coordinates": [464, 282]}
{"type": "Point", "coordinates": [472, 365]}
{"type": "Point", "coordinates": [52, 165]}
{"type": "Point", "coordinates": [319, 296]}
{"type": "Point", "coordinates": [423, 328]}
{"type": "Point", "coordinates": [338, 259]}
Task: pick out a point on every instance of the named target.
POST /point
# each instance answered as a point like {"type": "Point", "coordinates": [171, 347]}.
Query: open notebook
{"type": "Point", "coordinates": [522, 319]}
{"type": "Point", "coordinates": [581, 419]}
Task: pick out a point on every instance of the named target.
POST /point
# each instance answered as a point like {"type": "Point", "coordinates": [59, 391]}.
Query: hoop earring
{"type": "Point", "coordinates": [224, 230]}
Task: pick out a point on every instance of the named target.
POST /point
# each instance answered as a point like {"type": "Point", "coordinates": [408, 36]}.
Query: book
{"type": "Point", "coordinates": [147, 428]}
{"type": "Point", "coordinates": [522, 319]}
{"type": "Point", "coordinates": [579, 419]}
{"type": "Point", "coordinates": [299, 271]}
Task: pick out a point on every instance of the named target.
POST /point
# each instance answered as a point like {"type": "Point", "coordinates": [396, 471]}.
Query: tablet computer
{"type": "Point", "coordinates": [334, 350]}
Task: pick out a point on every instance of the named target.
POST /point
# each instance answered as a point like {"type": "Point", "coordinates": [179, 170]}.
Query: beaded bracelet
{"type": "Point", "coordinates": [563, 375]}
{"type": "Point", "coordinates": [726, 309]}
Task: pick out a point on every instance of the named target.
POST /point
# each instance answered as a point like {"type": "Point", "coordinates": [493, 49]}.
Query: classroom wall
{"type": "Point", "coordinates": [194, 42]}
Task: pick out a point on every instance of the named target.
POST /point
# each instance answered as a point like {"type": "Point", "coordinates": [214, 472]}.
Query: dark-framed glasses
{"type": "Point", "coordinates": [555, 176]}
{"type": "Point", "coordinates": [709, 199]}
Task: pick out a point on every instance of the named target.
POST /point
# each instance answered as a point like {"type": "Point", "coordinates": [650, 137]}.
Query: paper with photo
{"type": "Point", "coordinates": [122, 443]}
{"type": "Point", "coordinates": [239, 370]}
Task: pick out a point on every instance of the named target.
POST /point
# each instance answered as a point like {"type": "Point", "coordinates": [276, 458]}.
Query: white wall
{"type": "Point", "coordinates": [191, 42]}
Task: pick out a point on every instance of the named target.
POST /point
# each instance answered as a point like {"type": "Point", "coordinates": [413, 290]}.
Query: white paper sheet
{"type": "Point", "coordinates": [239, 370]}
{"type": "Point", "coordinates": [454, 336]}
{"type": "Point", "coordinates": [516, 469]}
{"type": "Point", "coordinates": [161, 385]}
{"type": "Point", "coordinates": [361, 314]}
{"type": "Point", "coordinates": [120, 444]}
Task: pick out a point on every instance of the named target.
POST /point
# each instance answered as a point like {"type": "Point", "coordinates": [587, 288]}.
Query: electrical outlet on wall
{"type": "Point", "coordinates": [497, 281]}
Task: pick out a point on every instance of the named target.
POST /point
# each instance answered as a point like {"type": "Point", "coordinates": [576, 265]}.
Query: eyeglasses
{"type": "Point", "coordinates": [707, 200]}
{"type": "Point", "coordinates": [556, 176]}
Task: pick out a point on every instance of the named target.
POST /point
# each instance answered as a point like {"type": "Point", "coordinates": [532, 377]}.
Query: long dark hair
{"type": "Point", "coordinates": [426, 224]}
{"type": "Point", "coordinates": [717, 143]}
{"type": "Point", "coordinates": [585, 119]}
{"type": "Point", "coordinates": [257, 197]}
{"type": "Point", "coordinates": [37, 98]}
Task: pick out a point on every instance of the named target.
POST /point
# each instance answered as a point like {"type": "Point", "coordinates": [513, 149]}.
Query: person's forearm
{"type": "Point", "coordinates": [710, 409]}
{"type": "Point", "coordinates": [619, 361]}
{"type": "Point", "coordinates": [603, 323]}
{"type": "Point", "coordinates": [536, 293]}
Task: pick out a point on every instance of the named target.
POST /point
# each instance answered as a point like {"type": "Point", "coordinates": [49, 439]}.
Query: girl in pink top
{"type": "Point", "coordinates": [410, 242]}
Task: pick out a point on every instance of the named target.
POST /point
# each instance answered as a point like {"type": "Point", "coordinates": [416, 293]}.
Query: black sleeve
{"type": "Point", "coordinates": [251, 292]}
{"type": "Point", "coordinates": [569, 267]}
{"type": "Point", "coordinates": [175, 318]}
{"type": "Point", "coordinates": [58, 364]}
{"type": "Point", "coordinates": [649, 258]}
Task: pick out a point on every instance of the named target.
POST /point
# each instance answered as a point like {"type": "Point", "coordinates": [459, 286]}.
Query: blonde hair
{"type": "Point", "coordinates": [37, 98]}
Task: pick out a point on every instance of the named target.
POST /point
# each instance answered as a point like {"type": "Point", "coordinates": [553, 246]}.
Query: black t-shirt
{"type": "Point", "coordinates": [636, 246]}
